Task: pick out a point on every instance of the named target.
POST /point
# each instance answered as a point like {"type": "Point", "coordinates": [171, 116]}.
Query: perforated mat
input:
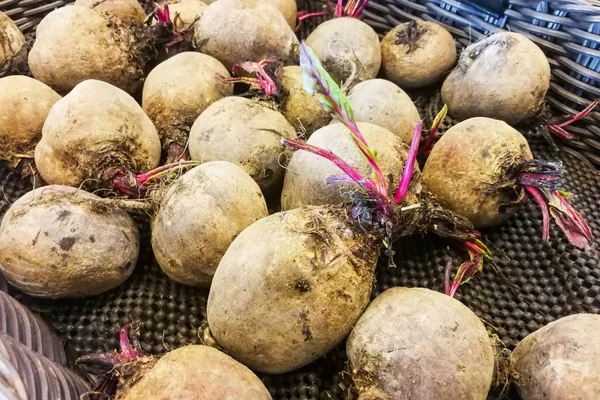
{"type": "Point", "coordinates": [541, 282]}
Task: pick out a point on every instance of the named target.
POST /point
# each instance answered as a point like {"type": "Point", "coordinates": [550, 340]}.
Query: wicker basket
{"type": "Point", "coordinates": [567, 31]}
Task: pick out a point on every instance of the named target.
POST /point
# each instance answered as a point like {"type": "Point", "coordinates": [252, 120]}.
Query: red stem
{"type": "Point", "coordinates": [583, 226]}
{"type": "Point", "coordinates": [535, 193]}
{"type": "Point", "coordinates": [409, 166]}
{"type": "Point", "coordinates": [580, 115]}
{"type": "Point", "coordinates": [561, 132]}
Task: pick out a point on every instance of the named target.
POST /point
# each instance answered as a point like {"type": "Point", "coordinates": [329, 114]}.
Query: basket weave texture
{"type": "Point", "coordinates": [567, 31]}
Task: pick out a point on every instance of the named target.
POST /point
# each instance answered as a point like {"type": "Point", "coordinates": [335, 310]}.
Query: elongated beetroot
{"type": "Point", "coordinates": [205, 209]}
{"type": "Point", "coordinates": [310, 277]}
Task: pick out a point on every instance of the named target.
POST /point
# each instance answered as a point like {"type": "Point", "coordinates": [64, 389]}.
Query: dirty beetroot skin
{"type": "Point", "coordinates": [245, 132]}
{"type": "Point", "coordinates": [77, 43]}
{"type": "Point", "coordinates": [417, 54]}
{"type": "Point", "coordinates": [299, 291]}
{"type": "Point", "coordinates": [25, 106]}
{"type": "Point", "coordinates": [13, 51]}
{"type": "Point", "coordinates": [60, 242]}
{"type": "Point", "coordinates": [420, 344]}
{"type": "Point", "coordinates": [466, 163]}
{"type": "Point", "coordinates": [95, 128]}
{"type": "Point", "coordinates": [205, 209]}
{"type": "Point", "coordinates": [504, 76]}
{"type": "Point", "coordinates": [560, 360]}
{"type": "Point", "coordinates": [236, 31]}
{"type": "Point", "coordinates": [196, 372]}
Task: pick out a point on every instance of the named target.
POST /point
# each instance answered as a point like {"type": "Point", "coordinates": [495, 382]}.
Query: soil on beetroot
{"type": "Point", "coordinates": [542, 282]}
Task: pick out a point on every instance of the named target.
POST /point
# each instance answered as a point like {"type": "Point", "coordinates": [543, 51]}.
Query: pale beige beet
{"type": "Point", "coordinates": [382, 103]}
{"type": "Point", "coordinates": [235, 31]}
{"type": "Point", "coordinates": [306, 178]}
{"type": "Point", "coordinates": [420, 344]}
{"type": "Point", "coordinates": [77, 43]}
{"type": "Point", "coordinates": [299, 107]}
{"type": "Point", "coordinates": [468, 165]}
{"type": "Point", "coordinates": [245, 132]}
{"type": "Point", "coordinates": [290, 287]}
{"type": "Point", "coordinates": [504, 76]}
{"type": "Point", "coordinates": [13, 51]}
{"type": "Point", "coordinates": [95, 126]}
{"type": "Point", "coordinates": [25, 106]}
{"type": "Point", "coordinates": [125, 10]}
{"type": "Point", "coordinates": [197, 372]}
{"type": "Point", "coordinates": [205, 209]}
{"type": "Point", "coordinates": [348, 48]}
{"type": "Point", "coordinates": [560, 360]}
{"type": "Point", "coordinates": [417, 54]}
{"type": "Point", "coordinates": [179, 89]}
{"type": "Point", "coordinates": [288, 8]}
{"type": "Point", "coordinates": [61, 242]}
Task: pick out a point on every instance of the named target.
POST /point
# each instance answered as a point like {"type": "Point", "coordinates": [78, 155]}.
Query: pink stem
{"type": "Point", "coordinates": [143, 178]}
{"type": "Point", "coordinates": [574, 214]}
{"type": "Point", "coordinates": [561, 132]}
{"type": "Point", "coordinates": [357, 13]}
{"type": "Point", "coordinates": [339, 10]}
{"type": "Point", "coordinates": [580, 115]}
{"type": "Point", "coordinates": [381, 182]}
{"type": "Point", "coordinates": [409, 166]}
{"type": "Point", "coordinates": [302, 15]}
{"type": "Point", "coordinates": [544, 208]}
{"type": "Point", "coordinates": [127, 351]}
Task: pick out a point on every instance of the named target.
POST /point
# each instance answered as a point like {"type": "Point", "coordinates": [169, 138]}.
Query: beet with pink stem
{"type": "Point", "coordinates": [482, 168]}
{"type": "Point", "coordinates": [282, 88]}
{"type": "Point", "coordinates": [193, 371]}
{"type": "Point", "coordinates": [236, 31]}
{"type": "Point", "coordinates": [348, 47]}
{"type": "Point", "coordinates": [97, 136]}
